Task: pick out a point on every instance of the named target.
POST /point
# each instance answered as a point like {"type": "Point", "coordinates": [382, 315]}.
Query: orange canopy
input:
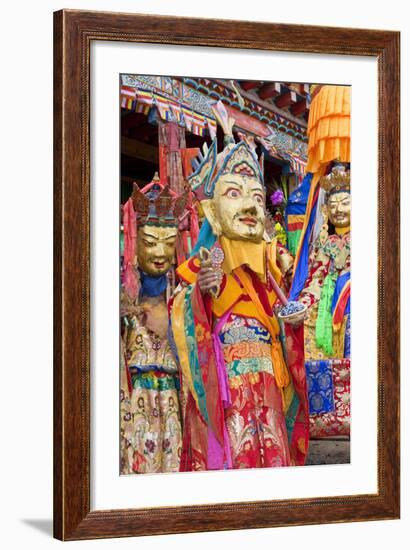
{"type": "Point", "coordinates": [329, 128]}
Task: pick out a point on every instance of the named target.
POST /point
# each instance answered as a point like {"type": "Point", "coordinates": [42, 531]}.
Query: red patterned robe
{"type": "Point", "coordinates": [261, 423]}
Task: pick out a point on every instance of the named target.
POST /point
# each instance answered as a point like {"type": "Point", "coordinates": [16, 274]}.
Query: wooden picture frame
{"type": "Point", "coordinates": [74, 32]}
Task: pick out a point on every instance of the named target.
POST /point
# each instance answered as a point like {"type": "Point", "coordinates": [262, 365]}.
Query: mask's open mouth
{"type": "Point", "coordinates": [248, 220]}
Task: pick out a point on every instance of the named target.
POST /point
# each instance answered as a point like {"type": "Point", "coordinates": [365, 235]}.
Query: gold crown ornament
{"type": "Point", "coordinates": [338, 181]}
{"type": "Point", "coordinates": [236, 158]}
{"type": "Point", "coordinates": [157, 205]}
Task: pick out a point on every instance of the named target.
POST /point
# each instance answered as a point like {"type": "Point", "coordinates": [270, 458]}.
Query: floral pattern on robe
{"type": "Point", "coordinates": [333, 254]}
{"type": "Point", "coordinates": [151, 416]}
{"type": "Point", "coordinates": [255, 419]}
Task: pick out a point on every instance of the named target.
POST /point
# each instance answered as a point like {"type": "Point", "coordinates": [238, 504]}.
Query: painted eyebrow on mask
{"type": "Point", "coordinates": [335, 201]}
{"type": "Point", "coordinates": [240, 185]}
{"type": "Point", "coordinates": [150, 236]}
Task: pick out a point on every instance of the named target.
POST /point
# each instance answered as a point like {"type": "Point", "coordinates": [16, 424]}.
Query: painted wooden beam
{"type": "Point", "coordinates": [271, 89]}
{"type": "Point", "coordinates": [299, 107]}
{"type": "Point", "coordinates": [286, 99]}
{"type": "Point", "coordinates": [250, 84]}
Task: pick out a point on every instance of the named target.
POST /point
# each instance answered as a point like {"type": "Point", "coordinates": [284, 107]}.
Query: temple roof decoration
{"type": "Point", "coordinates": [271, 113]}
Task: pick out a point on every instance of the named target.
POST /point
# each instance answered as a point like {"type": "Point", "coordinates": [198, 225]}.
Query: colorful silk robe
{"type": "Point", "coordinates": [245, 406]}
{"type": "Point", "coordinates": [328, 260]}
{"type": "Point", "coordinates": [295, 213]}
{"type": "Point", "coordinates": [327, 293]}
{"type": "Point", "coordinates": [150, 413]}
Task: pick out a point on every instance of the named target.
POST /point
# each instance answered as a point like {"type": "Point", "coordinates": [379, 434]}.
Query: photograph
{"type": "Point", "coordinates": [206, 250]}
{"type": "Point", "coordinates": [203, 321]}
{"type": "Point", "coordinates": [234, 274]}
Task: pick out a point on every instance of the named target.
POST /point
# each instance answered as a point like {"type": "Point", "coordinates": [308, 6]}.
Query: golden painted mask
{"type": "Point", "coordinates": [237, 209]}
{"type": "Point", "coordinates": [229, 186]}
{"type": "Point", "coordinates": [338, 209]}
{"type": "Point", "coordinates": [156, 249]}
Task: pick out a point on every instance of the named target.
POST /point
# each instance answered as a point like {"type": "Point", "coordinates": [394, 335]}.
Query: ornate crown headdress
{"type": "Point", "coordinates": [157, 205]}
{"type": "Point", "coordinates": [337, 181]}
{"type": "Point", "coordinates": [236, 158]}
{"type": "Point", "coordinates": [209, 166]}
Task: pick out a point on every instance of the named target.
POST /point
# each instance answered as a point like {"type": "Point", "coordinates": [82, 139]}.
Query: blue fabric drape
{"type": "Point", "coordinates": [205, 238]}
{"type": "Point", "coordinates": [340, 284]}
{"type": "Point", "coordinates": [302, 268]}
{"type": "Point", "coordinates": [151, 285]}
{"type": "Point", "coordinates": [298, 199]}
{"type": "Point", "coordinates": [319, 375]}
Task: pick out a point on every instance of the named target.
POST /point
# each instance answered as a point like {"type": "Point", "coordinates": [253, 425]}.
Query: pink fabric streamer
{"type": "Point", "coordinates": [215, 451]}
{"type": "Point", "coordinates": [282, 298]}
{"type": "Point", "coordinates": [221, 369]}
{"type": "Point", "coordinates": [130, 239]}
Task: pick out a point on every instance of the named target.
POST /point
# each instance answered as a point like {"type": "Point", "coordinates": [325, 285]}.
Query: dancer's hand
{"type": "Point", "coordinates": [208, 278]}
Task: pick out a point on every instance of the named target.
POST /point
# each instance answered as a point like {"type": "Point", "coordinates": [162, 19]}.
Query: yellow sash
{"type": "Point", "coordinates": [271, 323]}
{"type": "Point", "coordinates": [178, 330]}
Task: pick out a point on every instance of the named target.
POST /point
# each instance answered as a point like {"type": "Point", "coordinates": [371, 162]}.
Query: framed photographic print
{"type": "Point", "coordinates": [215, 185]}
